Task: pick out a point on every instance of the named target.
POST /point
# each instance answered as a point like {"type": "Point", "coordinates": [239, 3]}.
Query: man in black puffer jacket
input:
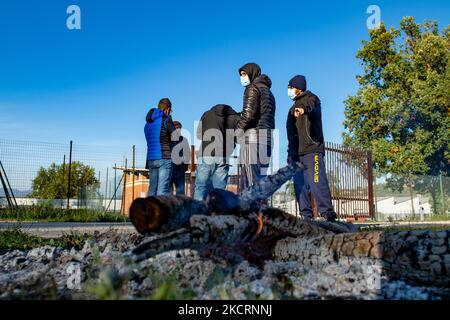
{"type": "Point", "coordinates": [306, 144]}
{"type": "Point", "coordinates": [257, 122]}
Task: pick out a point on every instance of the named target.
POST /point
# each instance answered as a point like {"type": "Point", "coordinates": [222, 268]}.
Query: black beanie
{"type": "Point", "coordinates": [164, 104]}
{"type": "Point", "coordinates": [298, 82]}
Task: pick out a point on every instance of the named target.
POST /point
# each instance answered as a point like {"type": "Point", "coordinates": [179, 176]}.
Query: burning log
{"type": "Point", "coordinates": [164, 213]}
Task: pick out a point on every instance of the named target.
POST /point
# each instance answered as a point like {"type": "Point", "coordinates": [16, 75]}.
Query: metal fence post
{"type": "Point", "coordinates": [444, 204]}
{"type": "Point", "coordinates": [63, 181]}
{"type": "Point", "coordinates": [115, 185]}
{"type": "Point", "coordinates": [370, 183]}
{"type": "Point", "coordinates": [193, 169]}
{"type": "Point", "coordinates": [122, 205]}
{"type": "Point", "coordinates": [70, 171]}
{"type": "Point", "coordinates": [133, 170]}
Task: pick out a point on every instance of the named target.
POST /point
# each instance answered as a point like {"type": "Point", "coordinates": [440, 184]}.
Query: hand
{"type": "Point", "coordinates": [289, 160]}
{"type": "Point", "coordinates": [298, 112]}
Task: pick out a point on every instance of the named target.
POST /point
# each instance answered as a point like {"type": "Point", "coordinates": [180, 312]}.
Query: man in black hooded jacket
{"type": "Point", "coordinates": [216, 132]}
{"type": "Point", "coordinates": [306, 144]}
{"type": "Point", "coordinates": [257, 122]}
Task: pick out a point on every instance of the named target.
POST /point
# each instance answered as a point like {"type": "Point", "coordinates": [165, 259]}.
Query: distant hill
{"type": "Point", "coordinates": [17, 193]}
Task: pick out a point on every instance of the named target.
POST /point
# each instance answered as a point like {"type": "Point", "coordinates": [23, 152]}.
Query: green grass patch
{"type": "Point", "coordinates": [46, 213]}
{"type": "Point", "coordinates": [15, 239]}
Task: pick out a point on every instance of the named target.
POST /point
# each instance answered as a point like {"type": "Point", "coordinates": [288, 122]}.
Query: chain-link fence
{"type": "Point", "coordinates": [69, 175]}
{"type": "Point", "coordinates": [412, 198]}
{"type": "Point", "coordinates": [74, 176]}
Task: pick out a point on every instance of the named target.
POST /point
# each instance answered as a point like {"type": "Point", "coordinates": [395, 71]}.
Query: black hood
{"type": "Point", "coordinates": [307, 94]}
{"type": "Point", "coordinates": [263, 80]}
{"type": "Point", "coordinates": [252, 69]}
{"type": "Point", "coordinates": [223, 110]}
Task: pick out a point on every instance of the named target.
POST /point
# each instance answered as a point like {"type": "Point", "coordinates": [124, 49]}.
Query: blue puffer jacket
{"type": "Point", "coordinates": [158, 131]}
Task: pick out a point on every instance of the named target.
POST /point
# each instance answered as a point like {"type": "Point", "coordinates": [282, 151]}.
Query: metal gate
{"type": "Point", "coordinates": [350, 176]}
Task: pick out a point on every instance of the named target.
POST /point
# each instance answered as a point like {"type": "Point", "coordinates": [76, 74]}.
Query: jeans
{"type": "Point", "coordinates": [178, 179]}
{"type": "Point", "coordinates": [160, 173]}
{"type": "Point", "coordinates": [212, 172]}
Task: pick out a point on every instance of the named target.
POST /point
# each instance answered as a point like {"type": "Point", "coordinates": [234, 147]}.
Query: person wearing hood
{"type": "Point", "coordinates": [216, 132]}
{"type": "Point", "coordinates": [306, 144]}
{"type": "Point", "coordinates": [256, 124]}
{"type": "Point", "coordinates": [158, 132]}
{"type": "Point", "coordinates": [181, 157]}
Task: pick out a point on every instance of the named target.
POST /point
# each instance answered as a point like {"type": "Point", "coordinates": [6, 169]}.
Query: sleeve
{"type": "Point", "coordinates": [170, 126]}
{"type": "Point", "coordinates": [186, 152]}
{"type": "Point", "coordinates": [199, 129]}
{"type": "Point", "coordinates": [292, 136]}
{"type": "Point", "coordinates": [249, 110]}
{"type": "Point", "coordinates": [311, 105]}
{"type": "Point", "coordinates": [233, 121]}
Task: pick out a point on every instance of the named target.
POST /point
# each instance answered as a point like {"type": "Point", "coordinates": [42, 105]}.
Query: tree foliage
{"type": "Point", "coordinates": [401, 109]}
{"type": "Point", "coordinates": [52, 183]}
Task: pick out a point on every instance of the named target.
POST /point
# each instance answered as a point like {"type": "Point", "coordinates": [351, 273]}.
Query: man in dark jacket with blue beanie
{"type": "Point", "coordinates": [158, 133]}
{"type": "Point", "coordinates": [306, 144]}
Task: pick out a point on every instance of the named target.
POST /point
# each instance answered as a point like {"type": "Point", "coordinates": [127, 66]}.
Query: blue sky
{"type": "Point", "coordinates": [95, 85]}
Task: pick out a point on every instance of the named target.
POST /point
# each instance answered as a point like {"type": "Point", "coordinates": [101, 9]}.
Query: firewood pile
{"type": "Point", "coordinates": [234, 247]}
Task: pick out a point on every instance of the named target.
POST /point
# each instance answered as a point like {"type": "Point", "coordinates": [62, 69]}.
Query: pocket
{"type": "Point", "coordinates": [308, 139]}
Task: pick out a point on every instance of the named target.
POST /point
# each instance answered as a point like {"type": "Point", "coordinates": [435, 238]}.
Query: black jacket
{"type": "Point", "coordinates": [259, 105]}
{"type": "Point", "coordinates": [215, 143]}
{"type": "Point", "coordinates": [305, 133]}
{"type": "Point", "coordinates": [181, 154]}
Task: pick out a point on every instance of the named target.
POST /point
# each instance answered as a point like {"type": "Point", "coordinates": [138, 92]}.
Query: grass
{"type": "Point", "coordinates": [414, 218]}
{"type": "Point", "coordinates": [15, 239]}
{"type": "Point", "coordinates": [45, 213]}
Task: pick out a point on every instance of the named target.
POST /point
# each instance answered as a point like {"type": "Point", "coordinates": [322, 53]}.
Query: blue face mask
{"type": "Point", "coordinates": [291, 93]}
{"type": "Point", "coordinates": [245, 81]}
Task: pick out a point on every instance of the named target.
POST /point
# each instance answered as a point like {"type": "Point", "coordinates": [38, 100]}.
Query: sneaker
{"type": "Point", "coordinates": [329, 216]}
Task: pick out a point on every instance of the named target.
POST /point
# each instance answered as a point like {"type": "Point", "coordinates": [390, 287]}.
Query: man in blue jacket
{"type": "Point", "coordinates": [158, 131]}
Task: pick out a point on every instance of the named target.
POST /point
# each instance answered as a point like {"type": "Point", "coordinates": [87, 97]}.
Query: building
{"type": "Point", "coordinates": [402, 207]}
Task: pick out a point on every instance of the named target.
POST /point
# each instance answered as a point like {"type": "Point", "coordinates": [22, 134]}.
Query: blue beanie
{"type": "Point", "coordinates": [298, 82]}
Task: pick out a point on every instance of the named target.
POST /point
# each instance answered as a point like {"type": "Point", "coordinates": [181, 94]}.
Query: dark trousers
{"type": "Point", "coordinates": [315, 182]}
{"type": "Point", "coordinates": [302, 194]}
{"type": "Point", "coordinates": [178, 179]}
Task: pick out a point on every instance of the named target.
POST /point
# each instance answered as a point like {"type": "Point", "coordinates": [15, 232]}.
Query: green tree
{"type": "Point", "coordinates": [402, 108]}
{"type": "Point", "coordinates": [52, 183]}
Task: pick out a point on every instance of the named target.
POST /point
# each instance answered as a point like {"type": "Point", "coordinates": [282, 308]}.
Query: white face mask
{"type": "Point", "coordinates": [291, 93]}
{"type": "Point", "coordinates": [245, 81]}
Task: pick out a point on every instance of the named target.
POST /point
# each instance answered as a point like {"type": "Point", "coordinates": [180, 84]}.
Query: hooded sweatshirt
{"type": "Point", "coordinates": [158, 131]}
{"type": "Point", "coordinates": [212, 131]}
{"type": "Point", "coordinates": [305, 133]}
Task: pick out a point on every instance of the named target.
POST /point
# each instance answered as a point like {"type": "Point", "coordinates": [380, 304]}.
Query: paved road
{"type": "Point", "coordinates": [56, 229]}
